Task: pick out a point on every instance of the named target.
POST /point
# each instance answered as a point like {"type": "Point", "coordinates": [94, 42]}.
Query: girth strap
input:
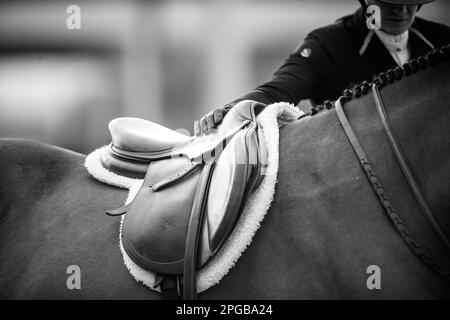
{"type": "Point", "coordinates": [170, 287]}
{"type": "Point", "coordinates": [405, 167]}
{"type": "Point", "coordinates": [193, 234]}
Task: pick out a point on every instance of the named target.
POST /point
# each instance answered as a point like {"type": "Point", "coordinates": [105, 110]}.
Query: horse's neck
{"type": "Point", "coordinates": [419, 110]}
{"type": "Point", "coordinates": [326, 202]}
{"type": "Point", "coordinates": [420, 113]}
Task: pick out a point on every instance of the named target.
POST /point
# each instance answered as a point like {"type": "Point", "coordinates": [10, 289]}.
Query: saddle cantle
{"type": "Point", "coordinates": [193, 191]}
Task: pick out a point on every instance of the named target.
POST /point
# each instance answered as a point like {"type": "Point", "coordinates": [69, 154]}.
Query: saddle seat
{"type": "Point", "coordinates": [193, 191]}
{"type": "Point", "coordinates": [139, 135]}
{"type": "Point", "coordinates": [136, 142]}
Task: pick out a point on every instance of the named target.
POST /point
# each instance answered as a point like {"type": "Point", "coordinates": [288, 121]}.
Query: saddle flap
{"type": "Point", "coordinates": [156, 224]}
{"type": "Point", "coordinates": [232, 181]}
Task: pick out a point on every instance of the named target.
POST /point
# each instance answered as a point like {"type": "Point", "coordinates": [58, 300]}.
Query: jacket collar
{"type": "Point", "coordinates": [375, 53]}
{"type": "Point", "coordinates": [418, 43]}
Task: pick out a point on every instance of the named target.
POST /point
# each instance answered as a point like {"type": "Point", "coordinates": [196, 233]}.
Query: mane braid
{"type": "Point", "coordinates": [385, 78]}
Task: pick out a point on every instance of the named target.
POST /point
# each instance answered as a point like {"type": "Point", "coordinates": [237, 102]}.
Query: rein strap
{"type": "Point", "coordinates": [405, 167]}
{"type": "Point", "coordinates": [382, 195]}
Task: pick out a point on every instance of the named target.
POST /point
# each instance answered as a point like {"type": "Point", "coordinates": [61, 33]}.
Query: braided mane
{"type": "Point", "coordinates": [385, 78]}
{"type": "Point", "coordinates": [355, 91]}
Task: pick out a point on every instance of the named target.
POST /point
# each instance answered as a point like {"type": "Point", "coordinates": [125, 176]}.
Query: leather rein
{"type": "Point", "coordinates": [407, 173]}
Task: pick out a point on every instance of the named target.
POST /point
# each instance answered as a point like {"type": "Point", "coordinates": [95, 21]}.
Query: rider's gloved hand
{"type": "Point", "coordinates": [209, 121]}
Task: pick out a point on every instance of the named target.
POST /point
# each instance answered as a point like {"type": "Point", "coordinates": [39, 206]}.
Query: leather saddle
{"type": "Point", "coordinates": [192, 194]}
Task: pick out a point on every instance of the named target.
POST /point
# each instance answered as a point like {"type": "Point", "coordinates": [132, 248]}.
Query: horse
{"type": "Point", "coordinates": [323, 236]}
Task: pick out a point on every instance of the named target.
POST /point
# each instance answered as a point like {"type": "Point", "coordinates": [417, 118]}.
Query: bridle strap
{"type": "Point", "coordinates": [382, 195]}
{"type": "Point", "coordinates": [350, 133]}
{"type": "Point", "coordinates": [384, 118]}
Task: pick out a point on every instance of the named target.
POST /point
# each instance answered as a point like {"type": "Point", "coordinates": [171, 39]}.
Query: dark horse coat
{"type": "Point", "coordinates": [323, 231]}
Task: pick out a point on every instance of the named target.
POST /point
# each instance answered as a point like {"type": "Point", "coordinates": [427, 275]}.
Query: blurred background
{"type": "Point", "coordinates": [167, 61]}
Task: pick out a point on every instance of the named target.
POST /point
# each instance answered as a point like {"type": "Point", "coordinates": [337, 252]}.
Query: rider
{"type": "Point", "coordinates": [348, 51]}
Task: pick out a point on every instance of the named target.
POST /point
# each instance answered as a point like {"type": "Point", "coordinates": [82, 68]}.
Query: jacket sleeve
{"type": "Point", "coordinates": [295, 80]}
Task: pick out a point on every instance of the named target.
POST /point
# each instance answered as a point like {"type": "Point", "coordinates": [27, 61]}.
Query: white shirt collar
{"type": "Point", "coordinates": [396, 44]}
{"type": "Point", "coordinates": [399, 41]}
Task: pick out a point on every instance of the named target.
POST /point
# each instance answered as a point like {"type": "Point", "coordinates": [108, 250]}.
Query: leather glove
{"type": "Point", "coordinates": [209, 121]}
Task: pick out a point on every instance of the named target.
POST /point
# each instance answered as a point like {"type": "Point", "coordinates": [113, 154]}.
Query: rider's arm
{"type": "Point", "coordinates": [295, 80]}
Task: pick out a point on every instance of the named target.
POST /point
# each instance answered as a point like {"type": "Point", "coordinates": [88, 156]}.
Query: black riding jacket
{"type": "Point", "coordinates": [335, 56]}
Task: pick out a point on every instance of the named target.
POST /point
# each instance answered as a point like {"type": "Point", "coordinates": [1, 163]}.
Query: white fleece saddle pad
{"type": "Point", "coordinates": [255, 208]}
